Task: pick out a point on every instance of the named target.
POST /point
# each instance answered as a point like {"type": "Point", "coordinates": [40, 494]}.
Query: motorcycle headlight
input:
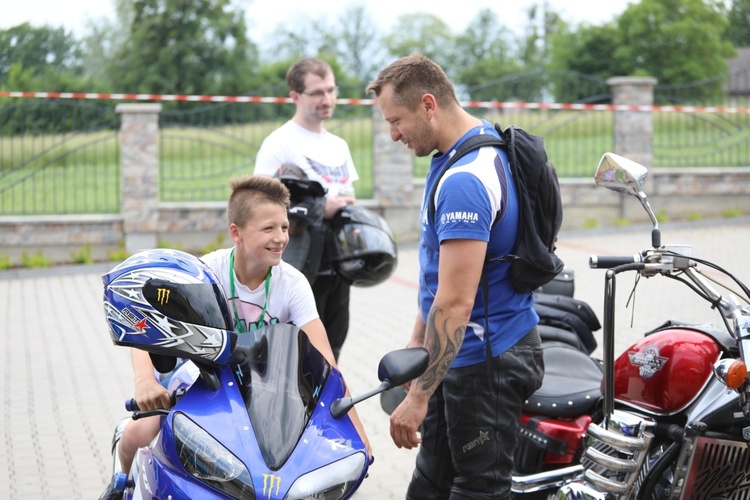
{"type": "Point", "coordinates": [204, 458]}
{"type": "Point", "coordinates": [331, 482]}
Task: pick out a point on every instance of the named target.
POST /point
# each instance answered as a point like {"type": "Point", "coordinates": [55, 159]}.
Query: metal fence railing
{"type": "Point", "coordinates": [59, 157]}
{"type": "Point", "coordinates": [201, 148]}
{"type": "Point", "coordinates": [697, 139]}
{"type": "Point", "coordinates": [62, 157]}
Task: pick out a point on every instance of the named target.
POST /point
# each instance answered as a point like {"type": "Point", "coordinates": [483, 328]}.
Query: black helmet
{"type": "Point", "coordinates": [361, 246]}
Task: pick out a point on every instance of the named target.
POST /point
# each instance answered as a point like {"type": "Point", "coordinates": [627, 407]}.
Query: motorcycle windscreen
{"type": "Point", "coordinates": [280, 376]}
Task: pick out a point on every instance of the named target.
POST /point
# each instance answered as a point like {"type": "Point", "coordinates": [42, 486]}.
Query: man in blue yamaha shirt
{"type": "Point", "coordinates": [468, 402]}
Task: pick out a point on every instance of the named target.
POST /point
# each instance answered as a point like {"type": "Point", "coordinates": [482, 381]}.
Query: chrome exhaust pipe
{"type": "Point", "coordinates": [531, 483]}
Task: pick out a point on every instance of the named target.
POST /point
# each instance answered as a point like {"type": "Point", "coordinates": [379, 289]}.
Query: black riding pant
{"type": "Point", "coordinates": [469, 434]}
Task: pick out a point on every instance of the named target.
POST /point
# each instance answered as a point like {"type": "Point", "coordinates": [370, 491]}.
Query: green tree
{"type": "Point", "coordinates": [185, 47]}
{"type": "Point", "coordinates": [739, 23]}
{"type": "Point", "coordinates": [486, 49]}
{"type": "Point", "coordinates": [586, 56]}
{"type": "Point", "coordinates": [485, 38]}
{"type": "Point", "coordinates": [676, 41]}
{"type": "Point", "coordinates": [424, 33]}
{"type": "Point", "coordinates": [103, 40]}
{"type": "Point", "coordinates": [359, 47]}
{"type": "Point", "coordinates": [587, 50]}
{"type": "Point", "coordinates": [505, 55]}
{"type": "Point", "coordinates": [542, 23]}
{"type": "Point", "coordinates": [296, 39]}
{"type": "Point", "coordinates": [44, 50]}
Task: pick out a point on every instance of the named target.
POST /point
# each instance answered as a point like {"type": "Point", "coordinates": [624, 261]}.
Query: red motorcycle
{"type": "Point", "coordinates": [670, 417]}
{"type": "Point", "coordinates": [675, 410]}
{"type": "Point", "coordinates": [555, 418]}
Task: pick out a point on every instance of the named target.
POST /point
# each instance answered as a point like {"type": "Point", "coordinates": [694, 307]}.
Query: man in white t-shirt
{"type": "Point", "coordinates": [323, 157]}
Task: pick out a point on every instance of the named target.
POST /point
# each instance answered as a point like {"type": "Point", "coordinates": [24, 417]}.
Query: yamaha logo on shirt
{"type": "Point", "coordinates": [468, 217]}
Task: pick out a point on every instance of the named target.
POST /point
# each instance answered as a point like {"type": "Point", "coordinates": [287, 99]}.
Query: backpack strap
{"type": "Point", "coordinates": [470, 144]}
{"type": "Point", "coordinates": [487, 347]}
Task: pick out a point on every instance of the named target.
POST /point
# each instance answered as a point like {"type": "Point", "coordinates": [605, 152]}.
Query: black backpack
{"type": "Point", "coordinates": [533, 261]}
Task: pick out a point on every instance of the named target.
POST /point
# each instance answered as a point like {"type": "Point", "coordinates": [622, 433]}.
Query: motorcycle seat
{"type": "Point", "coordinates": [571, 385]}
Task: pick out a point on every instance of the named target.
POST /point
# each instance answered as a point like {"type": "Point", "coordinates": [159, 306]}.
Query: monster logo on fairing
{"type": "Point", "coordinates": [648, 362]}
{"type": "Point", "coordinates": [269, 481]}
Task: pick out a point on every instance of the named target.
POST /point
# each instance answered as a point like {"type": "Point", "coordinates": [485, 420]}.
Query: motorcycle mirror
{"type": "Point", "coordinates": [625, 176]}
{"type": "Point", "coordinates": [620, 174]}
{"type": "Point", "coordinates": [395, 368]}
{"type": "Point", "coordinates": [400, 366]}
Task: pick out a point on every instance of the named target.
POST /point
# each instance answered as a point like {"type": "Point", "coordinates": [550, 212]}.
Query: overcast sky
{"type": "Point", "coordinates": [265, 15]}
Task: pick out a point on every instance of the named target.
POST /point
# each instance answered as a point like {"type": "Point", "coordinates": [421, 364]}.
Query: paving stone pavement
{"type": "Point", "coordinates": [64, 382]}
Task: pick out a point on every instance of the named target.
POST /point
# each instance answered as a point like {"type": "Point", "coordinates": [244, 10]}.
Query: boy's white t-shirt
{"type": "Point", "coordinates": [290, 298]}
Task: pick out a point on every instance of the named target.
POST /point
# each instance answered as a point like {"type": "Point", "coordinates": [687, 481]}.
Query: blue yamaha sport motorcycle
{"type": "Point", "coordinates": [257, 415]}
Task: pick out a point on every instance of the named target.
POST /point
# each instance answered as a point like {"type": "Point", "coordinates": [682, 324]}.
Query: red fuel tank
{"type": "Point", "coordinates": [663, 372]}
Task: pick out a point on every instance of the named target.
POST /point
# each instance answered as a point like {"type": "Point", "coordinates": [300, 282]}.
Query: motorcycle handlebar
{"type": "Point", "coordinates": [132, 405]}
{"type": "Point", "coordinates": [610, 261]}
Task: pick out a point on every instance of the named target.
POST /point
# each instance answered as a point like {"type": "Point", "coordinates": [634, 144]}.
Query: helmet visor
{"type": "Point", "coordinates": [196, 303]}
{"type": "Point", "coordinates": [354, 239]}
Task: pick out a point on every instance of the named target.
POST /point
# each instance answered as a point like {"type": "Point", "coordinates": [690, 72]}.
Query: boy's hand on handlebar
{"type": "Point", "coordinates": [151, 395]}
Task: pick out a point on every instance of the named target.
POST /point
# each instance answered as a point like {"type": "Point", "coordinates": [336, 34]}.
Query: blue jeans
{"type": "Point", "coordinates": [469, 433]}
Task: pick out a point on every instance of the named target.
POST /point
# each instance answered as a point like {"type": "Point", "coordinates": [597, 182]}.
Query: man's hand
{"type": "Point", "coordinates": [406, 419]}
{"type": "Point", "coordinates": [336, 203]}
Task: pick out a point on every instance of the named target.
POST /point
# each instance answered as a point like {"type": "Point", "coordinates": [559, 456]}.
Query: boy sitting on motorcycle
{"type": "Point", "coordinates": [260, 287]}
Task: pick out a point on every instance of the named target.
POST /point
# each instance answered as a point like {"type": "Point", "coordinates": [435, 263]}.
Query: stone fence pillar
{"type": "Point", "coordinates": [139, 164]}
{"type": "Point", "coordinates": [633, 130]}
{"type": "Point", "coordinates": [394, 190]}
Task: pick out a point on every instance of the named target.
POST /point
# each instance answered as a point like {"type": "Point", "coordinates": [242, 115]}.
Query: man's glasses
{"type": "Point", "coordinates": [318, 94]}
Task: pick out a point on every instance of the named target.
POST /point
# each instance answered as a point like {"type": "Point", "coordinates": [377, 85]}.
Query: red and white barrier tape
{"type": "Point", "coordinates": [369, 102]}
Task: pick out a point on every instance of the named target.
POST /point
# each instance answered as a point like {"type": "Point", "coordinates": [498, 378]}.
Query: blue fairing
{"type": "Point", "coordinates": [270, 411]}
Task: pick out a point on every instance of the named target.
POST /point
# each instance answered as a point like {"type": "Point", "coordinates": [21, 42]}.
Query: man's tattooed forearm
{"type": "Point", "coordinates": [443, 346]}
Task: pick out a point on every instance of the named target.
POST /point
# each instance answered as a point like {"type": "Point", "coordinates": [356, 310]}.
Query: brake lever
{"type": "Point", "coordinates": [150, 413]}
{"type": "Point", "coordinates": [174, 397]}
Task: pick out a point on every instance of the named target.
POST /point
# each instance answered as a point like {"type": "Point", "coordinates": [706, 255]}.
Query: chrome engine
{"type": "Point", "coordinates": [619, 457]}
{"type": "Point", "coordinates": [615, 459]}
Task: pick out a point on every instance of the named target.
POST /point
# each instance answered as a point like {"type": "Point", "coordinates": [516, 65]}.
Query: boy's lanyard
{"type": "Point", "coordinates": [239, 325]}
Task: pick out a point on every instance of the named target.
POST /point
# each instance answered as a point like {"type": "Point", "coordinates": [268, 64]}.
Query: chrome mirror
{"type": "Point", "coordinates": [625, 176]}
{"type": "Point", "coordinates": [619, 174]}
